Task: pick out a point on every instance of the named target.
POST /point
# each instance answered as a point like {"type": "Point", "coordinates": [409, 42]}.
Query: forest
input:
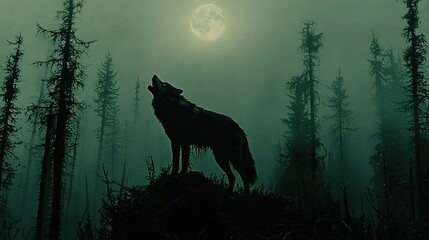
{"type": "Point", "coordinates": [343, 155]}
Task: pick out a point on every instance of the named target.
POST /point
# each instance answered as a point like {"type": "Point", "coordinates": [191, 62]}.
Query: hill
{"type": "Point", "coordinates": [192, 206]}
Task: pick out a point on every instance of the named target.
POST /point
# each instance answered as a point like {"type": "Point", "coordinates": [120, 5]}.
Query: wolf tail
{"type": "Point", "coordinates": [247, 164]}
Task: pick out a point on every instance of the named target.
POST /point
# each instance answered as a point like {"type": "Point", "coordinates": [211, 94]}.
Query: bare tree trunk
{"type": "Point", "coordinates": [123, 178]}
{"type": "Point", "coordinates": [62, 125]}
{"type": "Point", "coordinates": [346, 205]}
{"type": "Point", "coordinates": [72, 174]}
{"type": "Point", "coordinates": [313, 124]}
{"type": "Point", "coordinates": [63, 84]}
{"type": "Point", "coordinates": [414, 57]}
{"type": "Point", "coordinates": [386, 190]}
{"type": "Point", "coordinates": [30, 153]}
{"type": "Point", "coordinates": [412, 191]}
{"type": "Point", "coordinates": [58, 166]}
{"type": "Point", "coordinates": [340, 132]}
{"type": "Point", "coordinates": [98, 167]}
{"type": "Point", "coordinates": [362, 211]}
{"type": "Point", "coordinates": [45, 181]}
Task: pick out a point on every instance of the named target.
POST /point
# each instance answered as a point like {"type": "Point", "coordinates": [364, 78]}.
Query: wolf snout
{"type": "Point", "coordinates": [152, 85]}
{"type": "Point", "coordinates": [155, 79]}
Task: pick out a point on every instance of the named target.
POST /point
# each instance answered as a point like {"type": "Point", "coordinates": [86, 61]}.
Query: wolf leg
{"type": "Point", "coordinates": [222, 161]}
{"type": "Point", "coordinates": [246, 184]}
{"type": "Point", "coordinates": [237, 157]}
{"type": "Point", "coordinates": [175, 149]}
{"type": "Point", "coordinates": [239, 168]}
{"type": "Point", "coordinates": [186, 149]}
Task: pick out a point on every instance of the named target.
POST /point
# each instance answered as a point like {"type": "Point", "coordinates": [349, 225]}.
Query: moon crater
{"type": "Point", "coordinates": [208, 22]}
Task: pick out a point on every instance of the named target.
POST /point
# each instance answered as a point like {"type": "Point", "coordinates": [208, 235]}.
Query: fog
{"type": "Point", "coordinates": [242, 74]}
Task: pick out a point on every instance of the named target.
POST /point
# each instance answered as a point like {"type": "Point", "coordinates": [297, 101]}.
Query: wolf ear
{"type": "Point", "coordinates": [178, 91]}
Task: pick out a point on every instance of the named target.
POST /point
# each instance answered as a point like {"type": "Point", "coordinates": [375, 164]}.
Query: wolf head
{"type": "Point", "coordinates": [163, 89]}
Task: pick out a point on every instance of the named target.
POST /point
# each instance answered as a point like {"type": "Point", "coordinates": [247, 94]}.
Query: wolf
{"type": "Point", "coordinates": [188, 125]}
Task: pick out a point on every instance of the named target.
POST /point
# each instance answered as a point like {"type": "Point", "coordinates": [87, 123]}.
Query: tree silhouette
{"type": "Point", "coordinates": [136, 108]}
{"type": "Point", "coordinates": [302, 143]}
{"type": "Point", "coordinates": [31, 151]}
{"type": "Point", "coordinates": [107, 110]}
{"type": "Point", "coordinates": [416, 88]}
{"type": "Point", "coordinates": [113, 138]}
{"type": "Point", "coordinates": [137, 100]}
{"type": "Point", "coordinates": [310, 46]}
{"type": "Point", "coordinates": [45, 192]}
{"type": "Point", "coordinates": [66, 79]}
{"type": "Point", "coordinates": [8, 117]}
{"type": "Point", "coordinates": [377, 70]}
{"type": "Point", "coordinates": [71, 174]}
{"type": "Point", "coordinates": [340, 117]}
{"type": "Point", "coordinates": [376, 64]}
{"type": "Point", "coordinates": [297, 138]}
{"type": "Point", "coordinates": [396, 154]}
{"type": "Point", "coordinates": [389, 159]}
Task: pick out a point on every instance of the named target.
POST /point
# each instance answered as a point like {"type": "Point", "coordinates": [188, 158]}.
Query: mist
{"type": "Point", "coordinates": [243, 75]}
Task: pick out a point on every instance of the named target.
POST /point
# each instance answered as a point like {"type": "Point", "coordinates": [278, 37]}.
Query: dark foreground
{"type": "Point", "coordinates": [192, 206]}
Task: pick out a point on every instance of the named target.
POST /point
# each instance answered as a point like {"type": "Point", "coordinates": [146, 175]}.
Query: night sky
{"type": "Point", "coordinates": [242, 74]}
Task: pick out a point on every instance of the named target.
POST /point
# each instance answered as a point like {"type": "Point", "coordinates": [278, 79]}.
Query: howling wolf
{"type": "Point", "coordinates": [189, 125]}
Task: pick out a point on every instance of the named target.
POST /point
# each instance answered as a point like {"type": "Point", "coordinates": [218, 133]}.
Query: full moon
{"type": "Point", "coordinates": [208, 22]}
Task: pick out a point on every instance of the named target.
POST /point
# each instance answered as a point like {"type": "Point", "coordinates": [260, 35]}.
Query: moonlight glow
{"type": "Point", "coordinates": [208, 22]}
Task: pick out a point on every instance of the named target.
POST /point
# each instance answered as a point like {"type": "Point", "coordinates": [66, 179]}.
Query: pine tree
{"type": "Point", "coordinates": [296, 157]}
{"type": "Point", "coordinates": [45, 192]}
{"type": "Point", "coordinates": [136, 109]}
{"type": "Point", "coordinates": [107, 110]}
{"type": "Point", "coordinates": [302, 143]}
{"type": "Point", "coordinates": [65, 81]}
{"type": "Point", "coordinates": [389, 159]}
{"type": "Point", "coordinates": [341, 116]}
{"type": "Point", "coordinates": [396, 152]}
{"type": "Point", "coordinates": [31, 153]}
{"type": "Point", "coordinates": [416, 88]}
{"type": "Point", "coordinates": [113, 138]}
{"type": "Point", "coordinates": [8, 117]}
{"type": "Point", "coordinates": [137, 100]}
{"type": "Point", "coordinates": [377, 68]}
{"type": "Point", "coordinates": [310, 46]}
{"type": "Point", "coordinates": [71, 174]}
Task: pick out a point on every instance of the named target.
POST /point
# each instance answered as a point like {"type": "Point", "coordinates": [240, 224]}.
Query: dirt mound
{"type": "Point", "coordinates": [192, 206]}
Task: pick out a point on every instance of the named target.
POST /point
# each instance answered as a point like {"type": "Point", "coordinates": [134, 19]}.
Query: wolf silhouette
{"type": "Point", "coordinates": [188, 125]}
